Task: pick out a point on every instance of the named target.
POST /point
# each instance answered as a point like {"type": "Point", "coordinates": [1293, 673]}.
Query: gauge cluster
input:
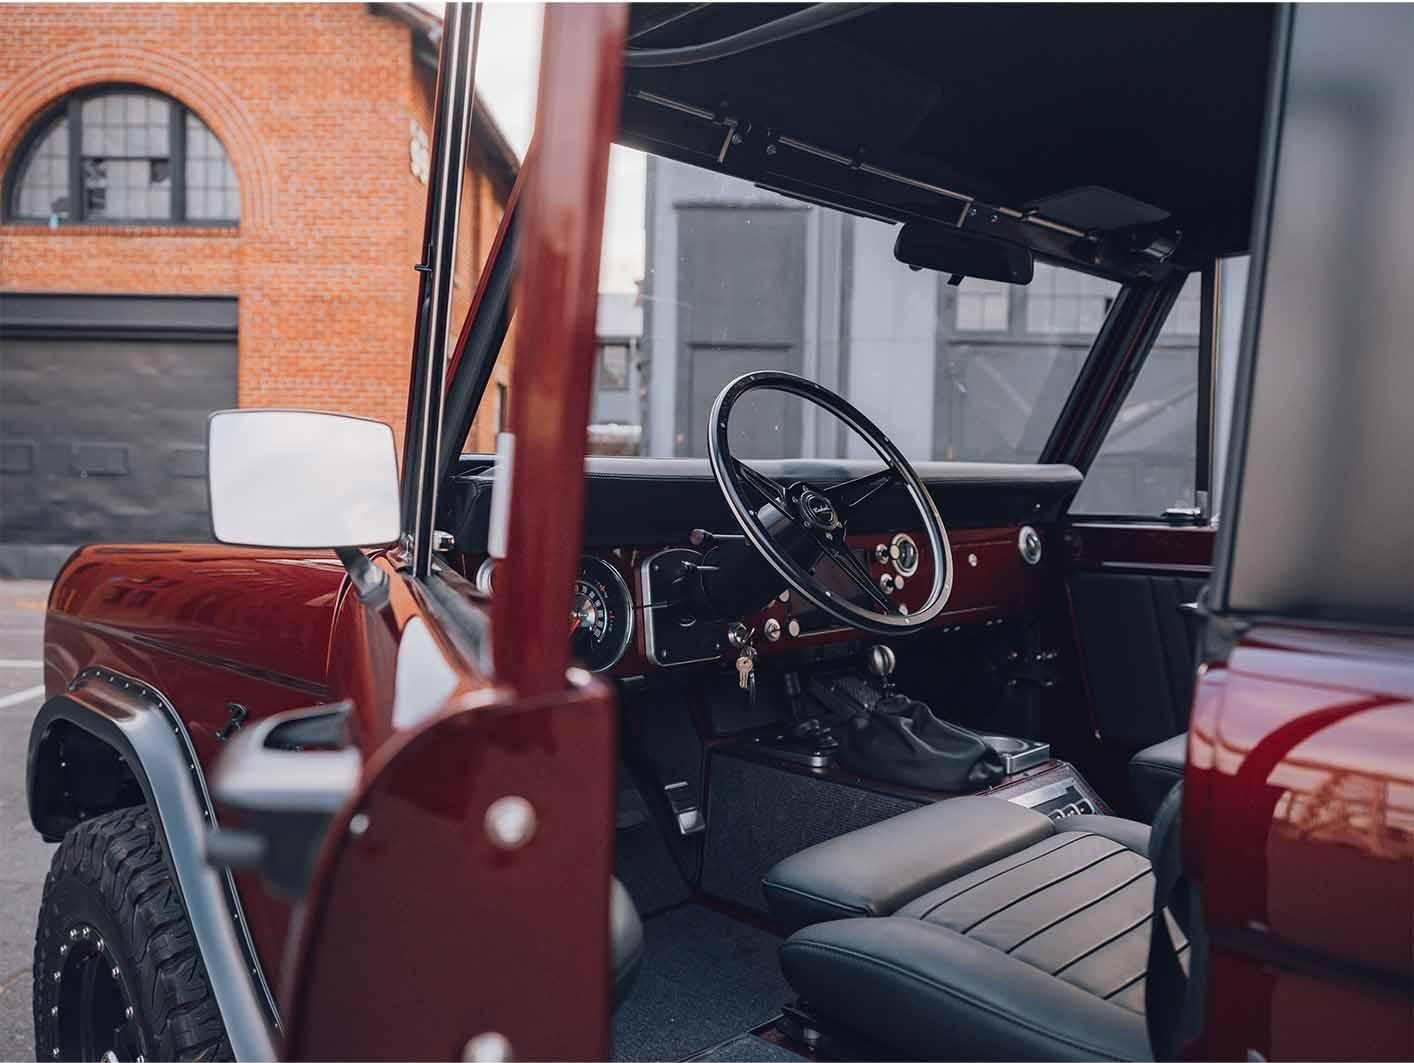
{"type": "Point", "coordinates": [601, 615]}
{"type": "Point", "coordinates": [601, 611]}
{"type": "Point", "coordinates": [601, 621]}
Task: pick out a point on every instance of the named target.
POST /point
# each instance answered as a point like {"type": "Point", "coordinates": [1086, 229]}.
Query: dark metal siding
{"type": "Point", "coordinates": [103, 407]}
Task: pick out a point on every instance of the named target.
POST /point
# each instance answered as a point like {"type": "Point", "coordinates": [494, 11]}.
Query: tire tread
{"type": "Point", "coordinates": [118, 857]}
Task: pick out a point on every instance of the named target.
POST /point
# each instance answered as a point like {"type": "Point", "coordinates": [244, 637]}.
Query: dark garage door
{"type": "Point", "coordinates": [753, 322]}
{"type": "Point", "coordinates": [103, 407]}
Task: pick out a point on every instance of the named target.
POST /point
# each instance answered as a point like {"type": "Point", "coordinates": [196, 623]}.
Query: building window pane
{"type": "Point", "coordinates": [983, 306]}
{"type": "Point", "coordinates": [42, 190]}
{"type": "Point", "coordinates": [127, 157]}
{"type": "Point", "coordinates": [212, 191]}
{"type": "Point", "coordinates": [613, 366]}
{"type": "Point", "coordinates": [1064, 301]}
{"type": "Point", "coordinates": [131, 168]}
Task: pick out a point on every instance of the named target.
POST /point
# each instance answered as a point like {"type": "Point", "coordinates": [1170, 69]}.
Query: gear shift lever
{"type": "Point", "coordinates": [881, 663]}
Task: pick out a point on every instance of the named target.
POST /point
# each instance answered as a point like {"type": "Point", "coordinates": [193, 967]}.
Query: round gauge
{"type": "Point", "coordinates": [601, 615]}
{"type": "Point", "coordinates": [904, 552]}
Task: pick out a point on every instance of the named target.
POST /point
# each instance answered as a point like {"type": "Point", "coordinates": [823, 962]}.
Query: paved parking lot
{"type": "Point", "coordinates": [23, 857]}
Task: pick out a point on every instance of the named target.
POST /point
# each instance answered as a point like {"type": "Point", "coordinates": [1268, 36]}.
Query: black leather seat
{"type": "Point", "coordinates": [1157, 770]}
{"type": "Point", "coordinates": [980, 930]}
{"type": "Point", "coordinates": [625, 940]}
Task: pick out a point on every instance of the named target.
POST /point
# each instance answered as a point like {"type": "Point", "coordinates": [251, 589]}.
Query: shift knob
{"type": "Point", "coordinates": [881, 661]}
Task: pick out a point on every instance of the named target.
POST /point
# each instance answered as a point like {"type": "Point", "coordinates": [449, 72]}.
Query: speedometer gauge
{"type": "Point", "coordinates": [601, 615]}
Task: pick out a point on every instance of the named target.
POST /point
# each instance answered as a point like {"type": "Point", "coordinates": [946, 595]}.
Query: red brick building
{"type": "Point", "coordinates": [205, 205]}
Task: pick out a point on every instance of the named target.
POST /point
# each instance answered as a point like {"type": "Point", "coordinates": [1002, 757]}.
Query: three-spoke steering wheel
{"type": "Point", "coordinates": [798, 526]}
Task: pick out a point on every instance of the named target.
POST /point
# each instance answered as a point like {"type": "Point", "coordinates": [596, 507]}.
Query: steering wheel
{"type": "Point", "coordinates": [798, 526]}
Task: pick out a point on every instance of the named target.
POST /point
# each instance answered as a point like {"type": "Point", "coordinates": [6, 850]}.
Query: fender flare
{"type": "Point", "coordinates": [147, 735]}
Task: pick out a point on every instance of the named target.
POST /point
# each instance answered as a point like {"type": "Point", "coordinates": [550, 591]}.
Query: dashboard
{"type": "Point", "coordinates": [644, 526]}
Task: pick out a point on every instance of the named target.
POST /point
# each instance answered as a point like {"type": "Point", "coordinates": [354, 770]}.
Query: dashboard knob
{"type": "Point", "coordinates": [898, 583]}
{"type": "Point", "coordinates": [772, 629]}
{"type": "Point", "coordinates": [886, 583]}
{"type": "Point", "coordinates": [793, 628]}
{"type": "Point", "coordinates": [737, 634]}
{"type": "Point", "coordinates": [881, 553]}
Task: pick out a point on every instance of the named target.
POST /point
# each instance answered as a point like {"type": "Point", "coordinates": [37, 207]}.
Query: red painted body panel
{"type": "Point", "coordinates": [480, 939]}
{"type": "Point", "coordinates": [1095, 544]}
{"type": "Point", "coordinates": [1301, 760]}
{"type": "Point", "coordinates": [581, 69]}
{"type": "Point", "coordinates": [203, 626]}
{"type": "Point", "coordinates": [474, 938]}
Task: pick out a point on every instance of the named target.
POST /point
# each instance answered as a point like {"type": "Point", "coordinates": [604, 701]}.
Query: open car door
{"type": "Point", "coordinates": [468, 779]}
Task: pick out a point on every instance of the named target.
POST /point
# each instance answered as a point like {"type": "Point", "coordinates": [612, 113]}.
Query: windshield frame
{"type": "Point", "coordinates": [1114, 356]}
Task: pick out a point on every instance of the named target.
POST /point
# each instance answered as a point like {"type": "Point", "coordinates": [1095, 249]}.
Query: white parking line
{"type": "Point", "coordinates": [20, 697]}
{"type": "Point", "coordinates": [20, 664]}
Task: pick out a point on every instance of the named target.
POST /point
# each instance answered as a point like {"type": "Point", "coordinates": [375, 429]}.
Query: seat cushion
{"type": "Point", "coordinates": [1038, 952]}
{"type": "Point", "coordinates": [1157, 770]}
{"type": "Point", "coordinates": [625, 940]}
{"type": "Point", "coordinates": [877, 869]}
{"type": "Point", "coordinates": [932, 993]}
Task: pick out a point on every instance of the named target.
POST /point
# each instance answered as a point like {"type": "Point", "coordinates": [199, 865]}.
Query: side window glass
{"type": "Point", "coordinates": [1232, 302]}
{"type": "Point", "coordinates": [1147, 462]}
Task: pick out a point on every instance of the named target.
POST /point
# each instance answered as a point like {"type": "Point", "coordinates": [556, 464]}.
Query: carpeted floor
{"type": "Point", "coordinates": [748, 1048]}
{"type": "Point", "coordinates": [705, 979]}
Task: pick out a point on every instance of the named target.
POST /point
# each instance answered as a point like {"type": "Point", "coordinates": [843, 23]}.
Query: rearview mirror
{"type": "Point", "coordinates": [300, 480]}
{"type": "Point", "coordinates": [963, 254]}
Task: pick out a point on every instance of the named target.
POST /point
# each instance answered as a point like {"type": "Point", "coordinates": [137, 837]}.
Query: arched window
{"type": "Point", "coordinates": [122, 156]}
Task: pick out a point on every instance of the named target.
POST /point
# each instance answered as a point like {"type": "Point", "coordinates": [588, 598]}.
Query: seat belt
{"type": "Point", "coordinates": [1174, 1000]}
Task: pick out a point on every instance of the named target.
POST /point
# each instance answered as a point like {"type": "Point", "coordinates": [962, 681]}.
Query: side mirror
{"type": "Point", "coordinates": [962, 254]}
{"type": "Point", "coordinates": [294, 479]}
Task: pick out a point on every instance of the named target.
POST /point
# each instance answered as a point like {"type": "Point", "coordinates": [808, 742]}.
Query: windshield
{"type": "Point", "coordinates": [706, 277]}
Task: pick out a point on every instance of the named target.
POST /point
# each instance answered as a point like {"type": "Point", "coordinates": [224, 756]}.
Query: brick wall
{"type": "Point", "coordinates": [313, 103]}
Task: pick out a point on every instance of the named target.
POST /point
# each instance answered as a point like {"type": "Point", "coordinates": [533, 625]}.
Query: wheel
{"type": "Point", "coordinates": [117, 974]}
{"type": "Point", "coordinates": [797, 526]}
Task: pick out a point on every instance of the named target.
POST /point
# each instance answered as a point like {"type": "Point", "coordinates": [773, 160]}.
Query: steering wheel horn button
{"type": "Point", "coordinates": [818, 510]}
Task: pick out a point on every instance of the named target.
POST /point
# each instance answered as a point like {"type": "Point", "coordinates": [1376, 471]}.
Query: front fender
{"type": "Point", "coordinates": [147, 737]}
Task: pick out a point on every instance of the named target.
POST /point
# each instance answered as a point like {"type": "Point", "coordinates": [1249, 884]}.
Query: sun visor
{"type": "Point", "coordinates": [1093, 208]}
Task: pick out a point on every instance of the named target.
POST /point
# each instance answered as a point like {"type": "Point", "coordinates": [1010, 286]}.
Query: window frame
{"type": "Point", "coordinates": [1205, 423]}
{"type": "Point", "coordinates": [70, 108]}
{"type": "Point", "coordinates": [618, 345]}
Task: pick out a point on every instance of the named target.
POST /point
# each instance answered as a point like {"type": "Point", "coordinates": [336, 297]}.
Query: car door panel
{"type": "Point", "coordinates": [476, 918]}
{"type": "Point", "coordinates": [1133, 593]}
{"type": "Point", "coordinates": [1138, 651]}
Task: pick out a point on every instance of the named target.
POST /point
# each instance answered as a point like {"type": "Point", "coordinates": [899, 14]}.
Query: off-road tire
{"type": "Point", "coordinates": [109, 884]}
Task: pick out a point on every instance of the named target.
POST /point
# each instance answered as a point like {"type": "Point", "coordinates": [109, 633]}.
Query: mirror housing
{"type": "Point", "coordinates": [296, 479]}
{"type": "Point", "coordinates": [963, 254]}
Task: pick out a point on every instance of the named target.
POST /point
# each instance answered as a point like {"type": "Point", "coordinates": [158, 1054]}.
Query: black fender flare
{"type": "Point", "coordinates": [147, 735]}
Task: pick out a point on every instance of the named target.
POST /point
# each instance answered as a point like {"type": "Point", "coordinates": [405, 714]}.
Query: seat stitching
{"type": "Point", "coordinates": [1047, 885]}
{"type": "Point", "coordinates": [1076, 911]}
{"type": "Point", "coordinates": [1137, 978]}
{"type": "Point", "coordinates": [1146, 917]}
{"type": "Point", "coordinates": [825, 901]}
{"type": "Point", "coordinates": [1153, 765]}
{"type": "Point", "coordinates": [952, 991]}
{"type": "Point", "coordinates": [1039, 856]}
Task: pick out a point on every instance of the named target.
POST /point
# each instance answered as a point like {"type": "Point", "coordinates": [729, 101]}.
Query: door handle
{"type": "Point", "coordinates": [1191, 608]}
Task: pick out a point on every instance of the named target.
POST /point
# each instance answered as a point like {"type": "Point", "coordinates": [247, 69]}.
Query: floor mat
{"type": "Point", "coordinates": [748, 1048]}
{"type": "Point", "coordinates": [705, 977]}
